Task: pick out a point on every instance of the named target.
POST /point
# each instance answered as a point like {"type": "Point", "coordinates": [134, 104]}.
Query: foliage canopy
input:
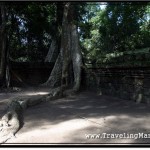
{"type": "Point", "coordinates": [104, 28]}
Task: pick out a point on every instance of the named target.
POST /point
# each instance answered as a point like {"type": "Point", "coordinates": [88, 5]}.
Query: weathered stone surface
{"type": "Point", "coordinates": [146, 91]}
{"type": "Point", "coordinates": [146, 82]}
{"type": "Point", "coordinates": [126, 83]}
{"type": "Point", "coordinates": [146, 99]}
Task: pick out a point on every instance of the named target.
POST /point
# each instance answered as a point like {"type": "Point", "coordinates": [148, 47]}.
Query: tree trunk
{"type": "Point", "coordinates": [2, 42]}
{"type": "Point", "coordinates": [55, 44]}
{"type": "Point", "coordinates": [55, 76]}
{"type": "Point", "coordinates": [67, 70]}
{"type": "Point", "coordinates": [7, 76]}
{"type": "Point", "coordinates": [71, 52]}
{"type": "Point", "coordinates": [69, 61]}
{"type": "Point", "coordinates": [65, 47]}
{"type": "Point", "coordinates": [76, 57]}
{"type": "Point", "coordinates": [52, 53]}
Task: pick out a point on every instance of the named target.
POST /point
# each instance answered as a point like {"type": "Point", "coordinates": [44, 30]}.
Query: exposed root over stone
{"type": "Point", "coordinates": [12, 120]}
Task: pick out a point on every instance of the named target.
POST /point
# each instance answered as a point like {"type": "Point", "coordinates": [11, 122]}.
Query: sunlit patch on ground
{"type": "Point", "coordinates": [69, 120]}
{"type": "Point", "coordinates": [37, 93]}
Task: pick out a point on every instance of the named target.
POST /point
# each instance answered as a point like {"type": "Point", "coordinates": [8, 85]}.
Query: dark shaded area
{"type": "Point", "coordinates": [92, 105]}
{"type": "Point", "coordinates": [114, 36]}
{"type": "Point", "coordinates": [130, 83]}
{"type": "Point", "coordinates": [29, 73]}
{"type": "Point", "coordinates": [107, 113]}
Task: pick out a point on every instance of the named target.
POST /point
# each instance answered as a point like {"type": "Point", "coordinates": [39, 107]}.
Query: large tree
{"type": "Point", "coordinates": [67, 69]}
{"type": "Point", "coordinates": [117, 27]}
{"type": "Point", "coordinates": [65, 75]}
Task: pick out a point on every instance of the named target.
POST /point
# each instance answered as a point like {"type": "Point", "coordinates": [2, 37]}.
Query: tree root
{"type": "Point", "coordinates": [12, 120]}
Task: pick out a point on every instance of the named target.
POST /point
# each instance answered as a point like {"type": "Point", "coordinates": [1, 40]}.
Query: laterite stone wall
{"type": "Point", "coordinates": [125, 83]}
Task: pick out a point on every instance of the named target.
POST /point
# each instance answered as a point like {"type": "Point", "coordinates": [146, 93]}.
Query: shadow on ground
{"type": "Point", "coordinates": [72, 119]}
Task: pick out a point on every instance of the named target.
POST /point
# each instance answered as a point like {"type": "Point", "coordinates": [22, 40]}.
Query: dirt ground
{"type": "Point", "coordinates": [80, 119]}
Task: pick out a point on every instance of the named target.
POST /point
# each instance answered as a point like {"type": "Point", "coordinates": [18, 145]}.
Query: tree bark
{"type": "Point", "coordinates": [55, 76]}
{"type": "Point", "coordinates": [55, 44]}
{"type": "Point", "coordinates": [76, 57]}
{"type": "Point", "coordinates": [69, 61]}
{"type": "Point", "coordinates": [65, 47]}
{"type": "Point", "coordinates": [2, 42]}
{"type": "Point", "coordinates": [71, 52]}
{"type": "Point", "coordinates": [52, 53]}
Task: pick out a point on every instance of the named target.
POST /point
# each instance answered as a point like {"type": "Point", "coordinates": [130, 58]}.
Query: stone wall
{"type": "Point", "coordinates": [29, 73]}
{"type": "Point", "coordinates": [125, 83]}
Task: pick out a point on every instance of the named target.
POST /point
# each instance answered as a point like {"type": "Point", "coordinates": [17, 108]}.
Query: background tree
{"type": "Point", "coordinates": [2, 42]}
{"type": "Point", "coordinates": [50, 32]}
{"type": "Point", "coordinates": [119, 27]}
{"type": "Point", "coordinates": [31, 27]}
{"type": "Point", "coordinates": [35, 29]}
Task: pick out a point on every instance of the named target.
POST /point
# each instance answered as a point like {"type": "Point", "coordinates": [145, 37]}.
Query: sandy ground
{"type": "Point", "coordinates": [74, 119]}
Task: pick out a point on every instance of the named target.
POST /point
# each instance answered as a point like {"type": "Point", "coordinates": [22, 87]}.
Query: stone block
{"type": "Point", "coordinates": [138, 97]}
{"type": "Point", "coordinates": [146, 82]}
{"type": "Point", "coordinates": [147, 99]}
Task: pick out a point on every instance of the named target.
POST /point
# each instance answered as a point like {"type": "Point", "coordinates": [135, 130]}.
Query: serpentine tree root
{"type": "Point", "coordinates": [12, 120]}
